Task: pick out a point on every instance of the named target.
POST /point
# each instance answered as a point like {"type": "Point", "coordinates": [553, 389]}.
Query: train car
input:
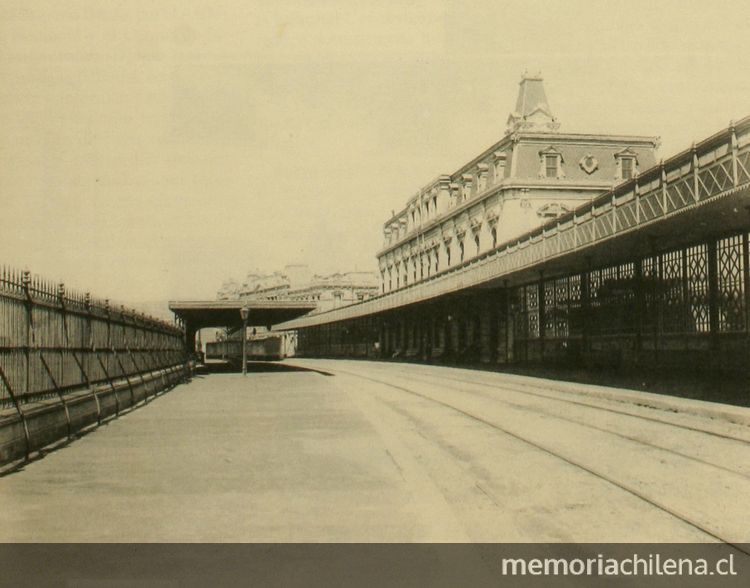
{"type": "Point", "coordinates": [271, 347]}
{"type": "Point", "coordinates": [223, 350]}
{"type": "Point", "coordinates": [268, 348]}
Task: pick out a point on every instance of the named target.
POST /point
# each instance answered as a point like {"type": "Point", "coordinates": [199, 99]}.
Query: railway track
{"type": "Point", "coordinates": [526, 389]}
{"type": "Point", "coordinates": [571, 460]}
{"type": "Point", "coordinates": [588, 425]}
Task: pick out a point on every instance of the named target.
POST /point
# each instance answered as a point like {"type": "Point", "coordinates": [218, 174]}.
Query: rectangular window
{"type": "Point", "coordinates": [627, 168]}
{"type": "Point", "coordinates": [550, 162]}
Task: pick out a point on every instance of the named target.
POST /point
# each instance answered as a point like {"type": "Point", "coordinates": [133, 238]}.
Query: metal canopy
{"type": "Point", "coordinates": [226, 313]}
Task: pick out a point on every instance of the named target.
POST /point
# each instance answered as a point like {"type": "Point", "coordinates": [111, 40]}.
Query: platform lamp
{"type": "Point", "coordinates": [244, 313]}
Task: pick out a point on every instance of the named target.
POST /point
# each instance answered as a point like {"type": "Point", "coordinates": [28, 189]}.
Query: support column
{"type": "Point", "coordinates": [26, 282]}
{"type": "Point", "coordinates": [449, 347]}
{"type": "Point", "coordinates": [487, 330]}
{"type": "Point", "coordinates": [244, 313]}
{"type": "Point", "coordinates": [431, 344]}
{"type": "Point", "coordinates": [190, 333]}
{"type": "Point", "coordinates": [507, 306]}
{"type": "Point", "coordinates": [586, 313]}
{"type": "Point", "coordinates": [640, 304]}
{"type": "Point", "coordinates": [746, 279]}
{"type": "Point", "coordinates": [713, 298]}
{"type": "Point", "coordinates": [542, 317]}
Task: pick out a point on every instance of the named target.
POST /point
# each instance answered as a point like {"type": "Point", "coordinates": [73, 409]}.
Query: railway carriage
{"type": "Point", "coordinates": [259, 348]}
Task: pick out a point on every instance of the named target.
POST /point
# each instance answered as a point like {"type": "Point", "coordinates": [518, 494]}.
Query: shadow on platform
{"type": "Point", "coordinates": [695, 384]}
{"type": "Point", "coordinates": [253, 367]}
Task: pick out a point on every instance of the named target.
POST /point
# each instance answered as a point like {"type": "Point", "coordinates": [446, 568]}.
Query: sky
{"type": "Point", "coordinates": [151, 150]}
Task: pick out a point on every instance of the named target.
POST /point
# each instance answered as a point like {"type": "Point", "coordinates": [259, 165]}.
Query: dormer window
{"type": "Point", "coordinates": [550, 163]}
{"type": "Point", "coordinates": [500, 159]}
{"type": "Point", "coordinates": [455, 191]}
{"type": "Point", "coordinates": [468, 180]}
{"type": "Point", "coordinates": [626, 165]}
{"type": "Point", "coordinates": [550, 166]}
{"type": "Point", "coordinates": [483, 170]}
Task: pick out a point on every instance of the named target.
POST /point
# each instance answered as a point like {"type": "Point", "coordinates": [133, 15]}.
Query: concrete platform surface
{"type": "Point", "coordinates": [362, 451]}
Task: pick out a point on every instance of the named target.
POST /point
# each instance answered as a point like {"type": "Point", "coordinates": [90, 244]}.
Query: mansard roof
{"type": "Point", "coordinates": [532, 121]}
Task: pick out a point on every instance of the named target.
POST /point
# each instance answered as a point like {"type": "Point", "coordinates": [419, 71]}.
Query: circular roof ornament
{"type": "Point", "coordinates": [589, 163]}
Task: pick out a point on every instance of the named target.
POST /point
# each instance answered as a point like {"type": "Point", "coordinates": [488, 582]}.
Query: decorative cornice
{"type": "Point", "coordinates": [505, 189]}
{"type": "Point", "coordinates": [550, 150]}
{"type": "Point", "coordinates": [627, 152]}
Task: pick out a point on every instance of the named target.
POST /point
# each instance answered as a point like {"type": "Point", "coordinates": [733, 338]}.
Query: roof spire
{"type": "Point", "coordinates": [532, 112]}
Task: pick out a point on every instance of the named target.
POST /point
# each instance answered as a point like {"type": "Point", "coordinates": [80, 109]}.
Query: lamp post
{"type": "Point", "coordinates": [244, 312]}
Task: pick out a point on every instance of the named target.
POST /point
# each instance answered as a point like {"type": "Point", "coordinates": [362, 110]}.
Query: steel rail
{"type": "Point", "coordinates": [517, 388]}
{"type": "Point", "coordinates": [540, 411]}
{"type": "Point", "coordinates": [569, 460]}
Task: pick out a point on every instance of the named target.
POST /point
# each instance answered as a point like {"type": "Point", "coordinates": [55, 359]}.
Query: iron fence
{"type": "Point", "coordinates": [54, 341]}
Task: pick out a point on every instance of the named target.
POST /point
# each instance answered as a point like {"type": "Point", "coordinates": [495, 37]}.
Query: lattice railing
{"type": "Point", "coordinates": [709, 169]}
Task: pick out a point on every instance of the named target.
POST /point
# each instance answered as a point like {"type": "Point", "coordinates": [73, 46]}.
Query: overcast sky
{"type": "Point", "coordinates": [151, 149]}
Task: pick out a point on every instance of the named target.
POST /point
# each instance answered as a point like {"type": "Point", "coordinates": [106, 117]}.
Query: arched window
{"type": "Point", "coordinates": [476, 242]}
{"type": "Point", "coordinates": [461, 249]}
{"type": "Point", "coordinates": [494, 237]}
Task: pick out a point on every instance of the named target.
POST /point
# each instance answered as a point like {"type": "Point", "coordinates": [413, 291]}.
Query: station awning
{"type": "Point", "coordinates": [198, 314]}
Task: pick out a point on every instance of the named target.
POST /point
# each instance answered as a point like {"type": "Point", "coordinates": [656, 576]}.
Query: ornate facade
{"type": "Point", "coordinates": [534, 173]}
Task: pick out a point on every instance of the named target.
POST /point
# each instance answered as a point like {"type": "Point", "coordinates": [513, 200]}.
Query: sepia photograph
{"type": "Point", "coordinates": [374, 293]}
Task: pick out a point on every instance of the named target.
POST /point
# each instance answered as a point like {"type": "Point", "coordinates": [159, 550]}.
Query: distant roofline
{"type": "Point", "coordinates": [236, 304]}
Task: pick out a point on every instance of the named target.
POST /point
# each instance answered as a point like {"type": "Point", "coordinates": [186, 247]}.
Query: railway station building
{"type": "Point", "coordinates": [573, 249]}
{"type": "Point", "coordinates": [534, 173]}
